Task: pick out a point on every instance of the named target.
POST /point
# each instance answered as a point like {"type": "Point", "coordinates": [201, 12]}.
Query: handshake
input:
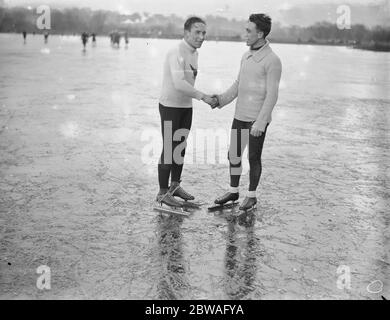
{"type": "Point", "coordinates": [212, 100]}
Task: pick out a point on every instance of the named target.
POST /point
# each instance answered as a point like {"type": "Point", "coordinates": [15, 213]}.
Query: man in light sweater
{"type": "Point", "coordinates": [180, 71]}
{"type": "Point", "coordinates": [256, 90]}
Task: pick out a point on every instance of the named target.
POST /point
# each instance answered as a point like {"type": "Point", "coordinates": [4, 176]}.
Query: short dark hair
{"type": "Point", "coordinates": [262, 21]}
{"type": "Point", "coordinates": [191, 21]}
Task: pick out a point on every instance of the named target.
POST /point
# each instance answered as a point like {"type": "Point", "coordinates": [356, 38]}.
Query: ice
{"type": "Point", "coordinates": [79, 176]}
{"type": "Point", "coordinates": [69, 130]}
{"type": "Point", "coordinates": [45, 51]}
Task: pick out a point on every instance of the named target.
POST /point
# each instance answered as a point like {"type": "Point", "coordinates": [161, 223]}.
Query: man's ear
{"type": "Point", "coordinates": [260, 34]}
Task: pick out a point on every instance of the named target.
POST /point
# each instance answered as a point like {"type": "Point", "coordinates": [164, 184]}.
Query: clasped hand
{"type": "Point", "coordinates": [212, 100]}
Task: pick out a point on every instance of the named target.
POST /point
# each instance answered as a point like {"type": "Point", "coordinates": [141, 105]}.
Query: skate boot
{"type": "Point", "coordinates": [168, 200]}
{"type": "Point", "coordinates": [177, 191]}
{"type": "Point", "coordinates": [248, 204]}
{"type": "Point", "coordinates": [221, 203]}
{"type": "Point", "coordinates": [229, 196]}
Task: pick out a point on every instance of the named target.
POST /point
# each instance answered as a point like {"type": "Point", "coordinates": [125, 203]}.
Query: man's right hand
{"type": "Point", "coordinates": [216, 104]}
{"type": "Point", "coordinates": [211, 100]}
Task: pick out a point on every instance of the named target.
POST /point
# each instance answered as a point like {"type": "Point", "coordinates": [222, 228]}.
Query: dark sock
{"type": "Point", "coordinates": [162, 191]}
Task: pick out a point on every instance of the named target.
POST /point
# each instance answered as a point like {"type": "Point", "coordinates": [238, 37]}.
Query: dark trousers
{"type": "Point", "coordinates": [172, 155]}
{"type": "Point", "coordinates": [240, 137]}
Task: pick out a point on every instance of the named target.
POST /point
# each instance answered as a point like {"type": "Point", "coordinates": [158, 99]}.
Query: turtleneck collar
{"type": "Point", "coordinates": [261, 47]}
{"type": "Point", "coordinates": [258, 55]}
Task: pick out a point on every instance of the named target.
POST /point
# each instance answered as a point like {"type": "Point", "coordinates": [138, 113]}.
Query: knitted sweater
{"type": "Point", "coordinates": [256, 87]}
{"type": "Point", "coordinates": [180, 70]}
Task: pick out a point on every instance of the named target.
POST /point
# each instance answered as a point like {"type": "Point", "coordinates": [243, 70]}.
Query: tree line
{"type": "Point", "coordinates": [101, 22]}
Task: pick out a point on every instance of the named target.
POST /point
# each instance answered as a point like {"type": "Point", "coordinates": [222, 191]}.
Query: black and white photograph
{"type": "Point", "coordinates": [197, 150]}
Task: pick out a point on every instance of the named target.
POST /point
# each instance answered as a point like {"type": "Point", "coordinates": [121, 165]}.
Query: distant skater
{"type": "Point", "coordinates": [93, 39]}
{"type": "Point", "coordinates": [24, 37]}
{"type": "Point", "coordinates": [84, 38]}
{"type": "Point", "coordinates": [46, 36]}
{"type": "Point", "coordinates": [127, 39]}
{"type": "Point", "coordinates": [116, 39]}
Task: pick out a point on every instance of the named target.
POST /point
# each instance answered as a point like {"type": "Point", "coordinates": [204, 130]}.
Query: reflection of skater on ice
{"type": "Point", "coordinates": [173, 282]}
{"type": "Point", "coordinates": [240, 256]}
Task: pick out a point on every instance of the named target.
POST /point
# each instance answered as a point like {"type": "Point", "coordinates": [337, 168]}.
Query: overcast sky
{"type": "Point", "coordinates": [229, 8]}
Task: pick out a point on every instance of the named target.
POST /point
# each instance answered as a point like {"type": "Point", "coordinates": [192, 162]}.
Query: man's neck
{"type": "Point", "coordinates": [193, 49]}
{"type": "Point", "coordinates": [260, 43]}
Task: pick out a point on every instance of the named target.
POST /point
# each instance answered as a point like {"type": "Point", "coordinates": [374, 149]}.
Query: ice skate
{"type": "Point", "coordinates": [228, 200]}
{"type": "Point", "coordinates": [177, 191]}
{"type": "Point", "coordinates": [166, 203]}
{"type": "Point", "coordinates": [248, 204]}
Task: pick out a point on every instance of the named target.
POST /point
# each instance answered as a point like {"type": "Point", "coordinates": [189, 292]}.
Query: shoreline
{"type": "Point", "coordinates": [372, 46]}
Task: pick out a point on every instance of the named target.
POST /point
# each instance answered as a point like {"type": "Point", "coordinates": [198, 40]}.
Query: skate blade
{"type": "Point", "coordinates": [191, 204]}
{"type": "Point", "coordinates": [179, 211]}
{"type": "Point", "coordinates": [243, 211]}
{"type": "Point", "coordinates": [218, 207]}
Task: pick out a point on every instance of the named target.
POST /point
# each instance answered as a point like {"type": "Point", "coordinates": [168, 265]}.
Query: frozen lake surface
{"type": "Point", "coordinates": [79, 143]}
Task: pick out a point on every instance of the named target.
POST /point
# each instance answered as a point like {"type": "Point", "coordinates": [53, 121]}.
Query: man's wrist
{"type": "Point", "coordinates": [218, 96]}
{"type": "Point", "coordinates": [260, 125]}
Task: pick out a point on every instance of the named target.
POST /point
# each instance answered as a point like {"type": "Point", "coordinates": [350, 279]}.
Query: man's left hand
{"type": "Point", "coordinates": [256, 132]}
{"type": "Point", "coordinates": [216, 101]}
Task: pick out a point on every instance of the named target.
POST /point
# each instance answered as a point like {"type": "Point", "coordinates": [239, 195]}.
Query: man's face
{"type": "Point", "coordinates": [252, 34]}
{"type": "Point", "coordinates": [196, 35]}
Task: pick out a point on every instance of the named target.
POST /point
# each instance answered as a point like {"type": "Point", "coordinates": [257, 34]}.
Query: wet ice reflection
{"type": "Point", "coordinates": [241, 257]}
{"type": "Point", "coordinates": [172, 282]}
{"type": "Point", "coordinates": [242, 254]}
